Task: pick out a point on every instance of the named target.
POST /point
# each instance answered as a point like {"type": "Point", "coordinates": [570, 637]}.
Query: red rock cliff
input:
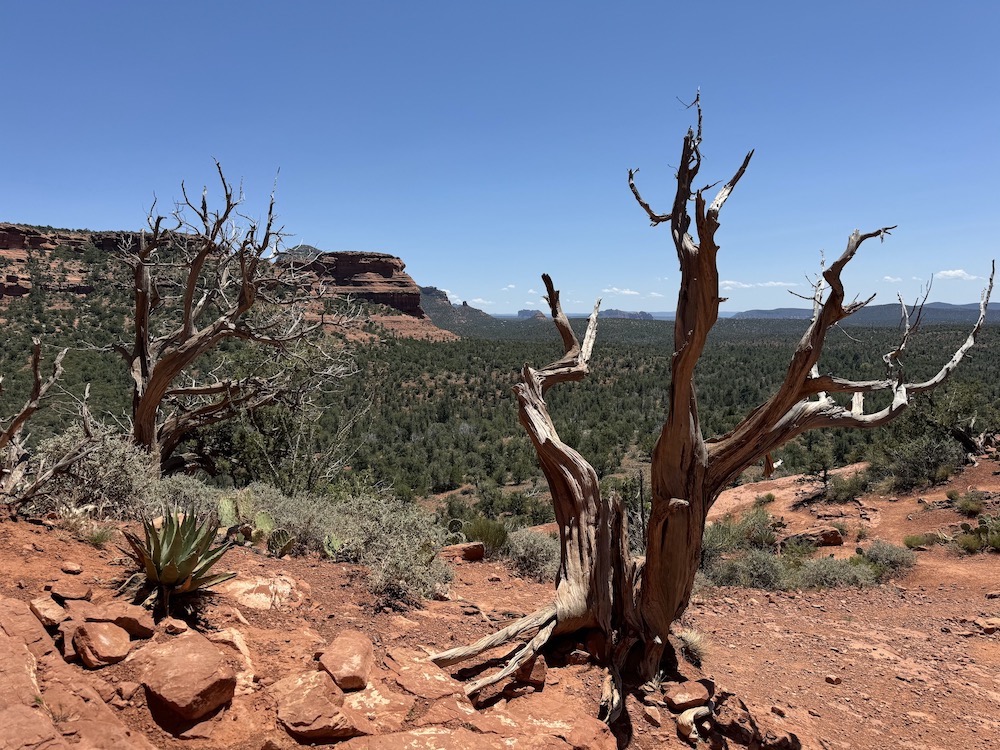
{"type": "Point", "coordinates": [375, 277]}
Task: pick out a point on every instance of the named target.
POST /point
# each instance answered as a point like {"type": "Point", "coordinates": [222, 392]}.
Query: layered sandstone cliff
{"type": "Point", "coordinates": [374, 277]}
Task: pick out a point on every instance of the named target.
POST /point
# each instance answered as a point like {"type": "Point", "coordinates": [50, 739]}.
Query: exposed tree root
{"type": "Point", "coordinates": [535, 621]}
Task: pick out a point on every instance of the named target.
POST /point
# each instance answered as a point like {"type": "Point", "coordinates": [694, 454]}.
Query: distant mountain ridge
{"type": "Point", "coordinates": [882, 315]}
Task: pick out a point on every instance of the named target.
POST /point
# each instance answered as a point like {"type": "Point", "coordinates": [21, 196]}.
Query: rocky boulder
{"type": "Point", "coordinates": [187, 675]}
{"type": "Point", "coordinates": [818, 536]}
{"type": "Point", "coordinates": [99, 644]}
{"type": "Point", "coordinates": [311, 707]}
{"type": "Point", "coordinates": [349, 660]}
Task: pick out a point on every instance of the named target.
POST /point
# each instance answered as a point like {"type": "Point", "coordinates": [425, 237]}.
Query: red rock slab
{"type": "Point", "coordinates": [349, 660]}
{"type": "Point", "coordinates": [420, 677]}
{"type": "Point", "coordinates": [187, 675]}
{"type": "Point", "coordinates": [134, 620]}
{"type": "Point", "coordinates": [101, 643]}
{"type": "Point", "coordinates": [68, 588]}
{"type": "Point", "coordinates": [430, 738]}
{"type": "Point", "coordinates": [30, 729]}
{"type": "Point", "coordinates": [548, 713]}
{"type": "Point", "coordinates": [48, 612]}
{"type": "Point", "coordinates": [17, 621]}
{"type": "Point", "coordinates": [448, 709]}
{"type": "Point", "coordinates": [18, 684]}
{"type": "Point", "coordinates": [311, 707]}
{"type": "Point", "coordinates": [385, 709]}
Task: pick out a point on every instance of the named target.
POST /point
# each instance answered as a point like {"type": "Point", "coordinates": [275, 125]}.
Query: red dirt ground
{"type": "Point", "coordinates": [914, 672]}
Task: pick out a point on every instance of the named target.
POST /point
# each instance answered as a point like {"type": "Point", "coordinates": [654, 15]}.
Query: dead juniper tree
{"type": "Point", "coordinates": [630, 603]}
{"type": "Point", "coordinates": [20, 478]}
{"type": "Point", "coordinates": [217, 276]}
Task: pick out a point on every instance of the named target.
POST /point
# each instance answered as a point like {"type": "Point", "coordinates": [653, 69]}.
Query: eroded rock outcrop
{"type": "Point", "coordinates": [375, 277]}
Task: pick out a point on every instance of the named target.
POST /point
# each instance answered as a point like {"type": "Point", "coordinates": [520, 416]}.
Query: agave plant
{"type": "Point", "coordinates": [176, 557]}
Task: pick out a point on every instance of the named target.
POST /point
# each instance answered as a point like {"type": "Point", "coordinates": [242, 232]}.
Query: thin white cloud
{"type": "Point", "coordinates": [453, 297]}
{"type": "Point", "coordinates": [655, 294]}
{"type": "Point", "coordinates": [957, 273]}
{"type": "Point", "coordinates": [481, 301]}
{"type": "Point", "coordinates": [532, 291]}
{"type": "Point", "coordinates": [508, 288]}
{"type": "Point", "coordinates": [616, 290]}
{"type": "Point", "coordinates": [730, 284]}
{"type": "Point", "coordinates": [892, 279]}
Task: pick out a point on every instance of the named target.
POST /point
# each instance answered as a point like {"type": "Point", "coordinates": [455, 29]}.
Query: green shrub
{"type": "Point", "coordinates": [971, 505]}
{"type": "Point", "coordinates": [969, 543]}
{"type": "Point", "coordinates": [761, 500]}
{"type": "Point", "coordinates": [920, 540]}
{"type": "Point", "coordinates": [755, 569]}
{"type": "Point", "coordinates": [396, 540]}
{"type": "Point", "coordinates": [953, 495]}
{"type": "Point", "coordinates": [757, 529]}
{"type": "Point", "coordinates": [116, 479]}
{"type": "Point", "coordinates": [493, 534]}
{"type": "Point", "coordinates": [888, 560]}
{"type": "Point", "coordinates": [533, 555]}
{"type": "Point", "coordinates": [828, 572]}
{"type": "Point", "coordinates": [846, 489]}
{"type": "Point", "coordinates": [915, 462]}
{"type": "Point", "coordinates": [182, 491]}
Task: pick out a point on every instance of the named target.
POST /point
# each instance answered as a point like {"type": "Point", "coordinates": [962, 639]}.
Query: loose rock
{"type": "Point", "coordinates": [349, 659]}
{"type": "Point", "coordinates": [686, 695]}
{"type": "Point", "coordinates": [311, 707]}
{"type": "Point", "coordinates": [188, 675]}
{"type": "Point", "coordinates": [101, 643]}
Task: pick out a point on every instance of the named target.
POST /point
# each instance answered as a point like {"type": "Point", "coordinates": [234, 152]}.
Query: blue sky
{"type": "Point", "coordinates": [486, 143]}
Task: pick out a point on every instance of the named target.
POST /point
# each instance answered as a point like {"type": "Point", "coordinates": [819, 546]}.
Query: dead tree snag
{"type": "Point", "coordinates": [633, 602]}
{"type": "Point", "coordinates": [215, 277]}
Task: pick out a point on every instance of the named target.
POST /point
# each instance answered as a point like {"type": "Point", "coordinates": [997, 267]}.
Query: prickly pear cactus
{"type": "Point", "coordinates": [263, 522]}
{"type": "Point", "coordinates": [280, 542]}
{"type": "Point", "coordinates": [228, 514]}
{"type": "Point", "coordinates": [332, 546]}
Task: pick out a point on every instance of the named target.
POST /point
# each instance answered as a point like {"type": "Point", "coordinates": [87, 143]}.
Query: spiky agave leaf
{"type": "Point", "coordinates": [177, 556]}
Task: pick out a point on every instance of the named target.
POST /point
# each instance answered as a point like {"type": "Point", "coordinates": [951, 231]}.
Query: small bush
{"type": "Point", "coordinates": [396, 540]}
{"type": "Point", "coordinates": [846, 489]}
{"type": "Point", "coordinates": [971, 505]}
{"type": "Point", "coordinates": [756, 569]}
{"type": "Point", "coordinates": [969, 543]}
{"type": "Point", "coordinates": [888, 560]}
{"type": "Point", "coordinates": [862, 533]}
{"type": "Point", "coordinates": [493, 534]}
{"type": "Point", "coordinates": [116, 478]}
{"type": "Point", "coordinates": [694, 645]}
{"type": "Point", "coordinates": [757, 529]}
{"type": "Point", "coordinates": [532, 554]}
{"type": "Point", "coordinates": [919, 540]}
{"type": "Point", "coordinates": [182, 491]}
{"type": "Point", "coordinates": [953, 495]}
{"type": "Point", "coordinates": [761, 500]}
{"type": "Point", "coordinates": [828, 573]}
{"type": "Point", "coordinates": [840, 526]}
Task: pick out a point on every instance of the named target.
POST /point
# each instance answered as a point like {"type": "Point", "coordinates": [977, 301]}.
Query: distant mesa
{"type": "Point", "coordinates": [625, 314]}
{"type": "Point", "coordinates": [375, 277]}
{"type": "Point", "coordinates": [531, 315]}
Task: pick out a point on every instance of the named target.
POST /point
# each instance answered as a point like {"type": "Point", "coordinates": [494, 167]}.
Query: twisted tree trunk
{"type": "Point", "coordinates": [634, 602]}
